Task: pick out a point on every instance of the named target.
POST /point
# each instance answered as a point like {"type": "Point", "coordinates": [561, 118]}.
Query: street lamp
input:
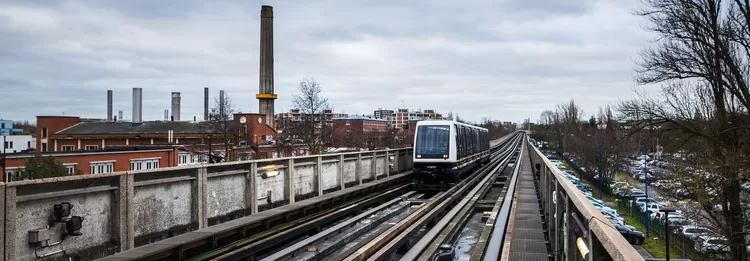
{"type": "Point", "coordinates": [666, 211]}
{"type": "Point", "coordinates": [645, 176]}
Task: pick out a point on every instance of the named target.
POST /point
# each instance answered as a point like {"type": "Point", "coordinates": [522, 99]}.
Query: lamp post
{"type": "Point", "coordinates": [666, 211]}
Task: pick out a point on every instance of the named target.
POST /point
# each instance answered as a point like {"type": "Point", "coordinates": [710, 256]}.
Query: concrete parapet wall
{"type": "Point", "coordinates": [127, 209]}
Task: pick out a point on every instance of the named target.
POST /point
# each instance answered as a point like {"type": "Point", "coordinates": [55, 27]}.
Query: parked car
{"type": "Point", "coordinates": [708, 245]}
{"type": "Point", "coordinates": [633, 236]}
{"type": "Point", "coordinates": [692, 232]}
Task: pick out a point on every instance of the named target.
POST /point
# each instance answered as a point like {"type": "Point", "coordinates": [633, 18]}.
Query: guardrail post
{"type": "Point", "coordinates": [342, 183]}
{"type": "Point", "coordinates": [319, 176]}
{"type": "Point", "coordinates": [10, 223]}
{"type": "Point", "coordinates": [2, 220]}
{"type": "Point", "coordinates": [290, 179]}
{"type": "Point", "coordinates": [558, 214]}
{"type": "Point", "coordinates": [358, 169]}
{"type": "Point", "coordinates": [374, 166]}
{"type": "Point", "coordinates": [252, 189]}
{"type": "Point", "coordinates": [201, 197]}
{"type": "Point", "coordinates": [570, 225]}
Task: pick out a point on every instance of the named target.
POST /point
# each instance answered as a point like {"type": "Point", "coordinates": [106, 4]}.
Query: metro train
{"type": "Point", "coordinates": [444, 151]}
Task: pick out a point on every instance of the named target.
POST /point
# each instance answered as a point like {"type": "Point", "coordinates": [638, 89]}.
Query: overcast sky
{"type": "Point", "coordinates": [506, 60]}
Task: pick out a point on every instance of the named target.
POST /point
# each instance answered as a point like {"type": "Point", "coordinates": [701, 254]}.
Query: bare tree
{"type": "Point", "coordinates": [220, 125]}
{"type": "Point", "coordinates": [702, 58]}
{"type": "Point", "coordinates": [312, 129]}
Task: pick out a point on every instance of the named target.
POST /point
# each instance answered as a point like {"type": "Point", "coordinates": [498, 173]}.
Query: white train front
{"type": "Point", "coordinates": [444, 151]}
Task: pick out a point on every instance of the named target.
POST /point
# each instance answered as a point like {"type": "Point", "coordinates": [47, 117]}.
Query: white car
{"type": "Point", "coordinates": [705, 244]}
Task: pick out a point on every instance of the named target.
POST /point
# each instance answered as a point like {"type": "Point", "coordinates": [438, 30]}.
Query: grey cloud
{"type": "Point", "coordinates": [505, 60]}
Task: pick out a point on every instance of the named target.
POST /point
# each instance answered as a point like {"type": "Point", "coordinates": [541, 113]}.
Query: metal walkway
{"type": "Point", "coordinates": [525, 231]}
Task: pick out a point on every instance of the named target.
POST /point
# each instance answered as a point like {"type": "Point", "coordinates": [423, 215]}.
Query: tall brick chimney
{"type": "Point", "coordinates": [265, 95]}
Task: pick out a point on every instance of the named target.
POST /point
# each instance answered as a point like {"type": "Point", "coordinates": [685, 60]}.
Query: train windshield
{"type": "Point", "coordinates": [433, 141]}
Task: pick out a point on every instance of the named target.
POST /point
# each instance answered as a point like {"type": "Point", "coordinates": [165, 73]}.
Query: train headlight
{"type": "Point", "coordinates": [419, 156]}
{"type": "Point", "coordinates": [445, 156]}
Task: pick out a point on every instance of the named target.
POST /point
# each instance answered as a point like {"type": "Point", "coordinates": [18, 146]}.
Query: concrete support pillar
{"type": "Point", "coordinates": [342, 183]}
{"type": "Point", "coordinates": [396, 162]}
{"type": "Point", "coordinates": [251, 196]}
{"type": "Point", "coordinates": [200, 198]}
{"type": "Point", "coordinates": [290, 180]}
{"type": "Point", "coordinates": [130, 210]}
{"type": "Point", "coordinates": [358, 169]}
{"type": "Point", "coordinates": [122, 204]}
{"type": "Point", "coordinates": [10, 218]}
{"type": "Point", "coordinates": [103, 144]}
{"type": "Point", "coordinates": [319, 175]}
{"type": "Point", "coordinates": [386, 163]}
{"type": "Point", "coordinates": [55, 146]}
{"type": "Point", "coordinates": [374, 166]}
{"type": "Point", "coordinates": [127, 141]}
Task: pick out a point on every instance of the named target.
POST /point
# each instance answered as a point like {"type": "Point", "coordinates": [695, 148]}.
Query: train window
{"type": "Point", "coordinates": [433, 141]}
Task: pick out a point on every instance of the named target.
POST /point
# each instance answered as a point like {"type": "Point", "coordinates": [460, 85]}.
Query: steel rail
{"type": "Point", "coordinates": [425, 248]}
{"type": "Point", "coordinates": [349, 222]}
{"type": "Point", "coordinates": [248, 248]}
{"type": "Point", "coordinates": [499, 229]}
{"type": "Point", "coordinates": [384, 244]}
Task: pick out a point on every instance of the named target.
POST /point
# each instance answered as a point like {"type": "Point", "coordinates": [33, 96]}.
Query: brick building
{"type": "Point", "coordinates": [401, 117]}
{"type": "Point", "coordinates": [103, 161]}
{"type": "Point", "coordinates": [358, 131]}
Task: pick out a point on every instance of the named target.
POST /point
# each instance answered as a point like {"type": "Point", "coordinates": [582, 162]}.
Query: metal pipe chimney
{"type": "Point", "coordinates": [137, 105]}
{"type": "Point", "coordinates": [176, 106]}
{"type": "Point", "coordinates": [205, 103]}
{"type": "Point", "coordinates": [265, 95]}
{"type": "Point", "coordinates": [119, 115]}
{"type": "Point", "coordinates": [166, 114]}
{"type": "Point", "coordinates": [109, 105]}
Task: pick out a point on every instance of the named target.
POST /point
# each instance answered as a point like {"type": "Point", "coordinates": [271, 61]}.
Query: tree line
{"type": "Point", "coordinates": [701, 60]}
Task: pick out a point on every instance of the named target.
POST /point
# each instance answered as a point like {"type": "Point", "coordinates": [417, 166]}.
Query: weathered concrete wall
{"type": "Point", "coordinates": [161, 207]}
{"type": "Point", "coordinates": [128, 208]}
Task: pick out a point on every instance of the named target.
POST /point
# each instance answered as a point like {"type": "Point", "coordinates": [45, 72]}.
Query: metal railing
{"type": "Point", "coordinates": [575, 228]}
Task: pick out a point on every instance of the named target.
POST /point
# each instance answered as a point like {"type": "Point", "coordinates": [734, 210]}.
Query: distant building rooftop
{"type": "Point", "coordinates": [104, 127]}
{"type": "Point", "coordinates": [107, 150]}
{"type": "Point", "coordinates": [360, 118]}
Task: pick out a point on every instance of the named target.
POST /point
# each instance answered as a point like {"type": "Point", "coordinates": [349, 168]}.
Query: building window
{"type": "Point", "coordinates": [44, 146]}
{"type": "Point", "coordinates": [142, 164]}
{"type": "Point", "coordinates": [92, 147]}
{"type": "Point", "coordinates": [8, 144]}
{"type": "Point", "coordinates": [12, 173]}
{"type": "Point", "coordinates": [68, 147]}
{"type": "Point", "coordinates": [44, 132]}
{"type": "Point", "coordinates": [102, 167]}
{"type": "Point", "coordinates": [28, 144]}
{"type": "Point", "coordinates": [72, 170]}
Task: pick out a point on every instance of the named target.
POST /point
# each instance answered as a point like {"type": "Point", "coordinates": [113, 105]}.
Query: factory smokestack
{"type": "Point", "coordinates": [221, 102]}
{"type": "Point", "coordinates": [176, 106]}
{"type": "Point", "coordinates": [109, 105]}
{"type": "Point", "coordinates": [265, 95]}
{"type": "Point", "coordinates": [205, 103]}
{"type": "Point", "coordinates": [137, 105]}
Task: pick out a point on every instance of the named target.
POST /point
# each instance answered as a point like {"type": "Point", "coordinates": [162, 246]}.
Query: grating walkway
{"type": "Point", "coordinates": [527, 233]}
